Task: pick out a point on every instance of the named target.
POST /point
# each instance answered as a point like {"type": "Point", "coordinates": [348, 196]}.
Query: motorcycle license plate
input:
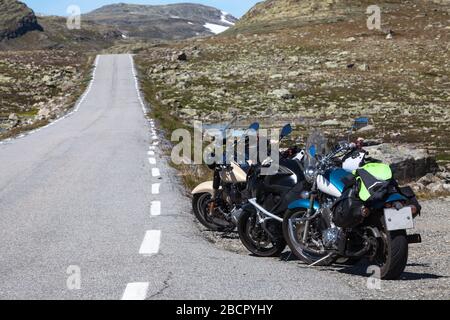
{"type": "Point", "coordinates": [399, 219]}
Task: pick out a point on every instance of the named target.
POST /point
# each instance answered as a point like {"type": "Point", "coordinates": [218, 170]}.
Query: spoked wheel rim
{"type": "Point", "coordinates": [257, 235]}
{"type": "Point", "coordinates": [202, 206]}
{"type": "Point", "coordinates": [295, 230]}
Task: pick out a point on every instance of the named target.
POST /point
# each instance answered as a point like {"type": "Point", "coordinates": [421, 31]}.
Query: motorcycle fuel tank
{"type": "Point", "coordinates": [331, 183]}
{"type": "Point", "coordinates": [237, 175]}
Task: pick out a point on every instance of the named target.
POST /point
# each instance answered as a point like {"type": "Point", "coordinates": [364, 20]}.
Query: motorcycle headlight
{"type": "Point", "coordinates": [310, 174]}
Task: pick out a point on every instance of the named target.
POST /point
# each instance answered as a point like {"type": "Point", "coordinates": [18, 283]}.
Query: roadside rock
{"type": "Point", "coordinates": [407, 162]}
{"type": "Point", "coordinates": [13, 117]}
{"type": "Point", "coordinates": [180, 56]}
{"type": "Point", "coordinates": [330, 123]}
{"type": "Point", "coordinates": [282, 94]}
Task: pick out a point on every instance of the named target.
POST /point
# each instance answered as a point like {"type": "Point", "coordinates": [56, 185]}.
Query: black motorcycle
{"type": "Point", "coordinates": [259, 221]}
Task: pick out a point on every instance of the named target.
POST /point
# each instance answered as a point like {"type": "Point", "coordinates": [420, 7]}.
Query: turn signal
{"type": "Point", "coordinates": [414, 210]}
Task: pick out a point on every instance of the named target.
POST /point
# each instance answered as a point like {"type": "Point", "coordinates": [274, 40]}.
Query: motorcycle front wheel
{"type": "Point", "coordinates": [200, 207]}
{"type": "Point", "coordinates": [256, 239]}
{"type": "Point", "coordinates": [293, 233]}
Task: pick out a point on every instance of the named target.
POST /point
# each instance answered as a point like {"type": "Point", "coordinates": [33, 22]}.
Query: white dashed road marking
{"type": "Point", "coordinates": [155, 172]}
{"type": "Point", "coordinates": [152, 161]}
{"type": "Point", "coordinates": [155, 188]}
{"type": "Point", "coordinates": [151, 153]}
{"type": "Point", "coordinates": [151, 242]}
{"type": "Point", "coordinates": [155, 208]}
{"type": "Point", "coordinates": [136, 291]}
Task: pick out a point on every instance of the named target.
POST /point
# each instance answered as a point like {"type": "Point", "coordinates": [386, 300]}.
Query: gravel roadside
{"type": "Point", "coordinates": [426, 275]}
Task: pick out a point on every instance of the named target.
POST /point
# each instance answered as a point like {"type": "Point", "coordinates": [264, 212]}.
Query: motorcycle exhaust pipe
{"type": "Point", "coordinates": [414, 238]}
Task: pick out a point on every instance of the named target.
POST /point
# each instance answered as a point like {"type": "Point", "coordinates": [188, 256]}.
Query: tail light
{"type": "Point", "coordinates": [365, 212]}
{"type": "Point", "coordinates": [414, 210]}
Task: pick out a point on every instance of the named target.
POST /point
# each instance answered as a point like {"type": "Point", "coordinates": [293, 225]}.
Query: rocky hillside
{"type": "Point", "coordinates": [273, 14]}
{"type": "Point", "coordinates": [20, 29]}
{"type": "Point", "coordinates": [177, 21]}
{"type": "Point", "coordinates": [38, 86]}
{"type": "Point", "coordinates": [16, 19]}
{"type": "Point", "coordinates": [319, 75]}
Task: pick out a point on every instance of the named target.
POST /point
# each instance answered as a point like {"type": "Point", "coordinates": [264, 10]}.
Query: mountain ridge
{"type": "Point", "coordinates": [168, 22]}
{"type": "Point", "coordinates": [16, 19]}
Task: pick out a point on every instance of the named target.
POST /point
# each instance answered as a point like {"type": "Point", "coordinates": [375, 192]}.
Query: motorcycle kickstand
{"type": "Point", "coordinates": [320, 260]}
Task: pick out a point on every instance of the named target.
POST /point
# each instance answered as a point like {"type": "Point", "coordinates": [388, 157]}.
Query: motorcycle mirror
{"type": "Point", "coordinates": [254, 126]}
{"type": "Point", "coordinates": [360, 123]}
{"type": "Point", "coordinates": [312, 151]}
{"type": "Point", "coordinates": [287, 130]}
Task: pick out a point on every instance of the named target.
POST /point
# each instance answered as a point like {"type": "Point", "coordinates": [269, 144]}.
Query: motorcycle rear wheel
{"type": "Point", "coordinates": [262, 245]}
{"type": "Point", "coordinates": [392, 256]}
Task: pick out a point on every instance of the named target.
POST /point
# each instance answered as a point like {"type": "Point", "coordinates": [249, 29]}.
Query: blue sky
{"type": "Point", "coordinates": [235, 7]}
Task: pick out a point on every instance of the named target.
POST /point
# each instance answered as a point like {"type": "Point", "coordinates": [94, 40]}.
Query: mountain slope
{"type": "Point", "coordinates": [21, 29]}
{"type": "Point", "coordinates": [16, 19]}
{"type": "Point", "coordinates": [175, 21]}
{"type": "Point", "coordinates": [272, 14]}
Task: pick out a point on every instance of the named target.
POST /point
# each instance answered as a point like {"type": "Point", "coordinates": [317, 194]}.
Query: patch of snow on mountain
{"type": "Point", "coordinates": [215, 28]}
{"type": "Point", "coordinates": [223, 18]}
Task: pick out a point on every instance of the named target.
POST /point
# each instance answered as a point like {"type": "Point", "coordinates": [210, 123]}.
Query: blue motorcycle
{"type": "Point", "coordinates": [343, 218]}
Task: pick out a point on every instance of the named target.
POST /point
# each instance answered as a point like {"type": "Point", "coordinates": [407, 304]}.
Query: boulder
{"type": "Point", "coordinates": [180, 56]}
{"type": "Point", "coordinates": [282, 94]}
{"type": "Point", "coordinates": [407, 162]}
{"type": "Point", "coordinates": [330, 123]}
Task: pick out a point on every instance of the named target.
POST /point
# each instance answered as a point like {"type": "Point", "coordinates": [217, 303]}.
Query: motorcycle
{"type": "Point", "coordinates": [378, 228]}
{"type": "Point", "coordinates": [215, 201]}
{"type": "Point", "coordinates": [259, 221]}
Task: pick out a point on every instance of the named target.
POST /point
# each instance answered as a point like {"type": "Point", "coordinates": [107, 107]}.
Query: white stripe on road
{"type": "Point", "coordinates": [136, 291]}
{"type": "Point", "coordinates": [155, 143]}
{"type": "Point", "coordinates": [151, 242]}
{"type": "Point", "coordinates": [155, 172]}
{"type": "Point", "coordinates": [151, 153]}
{"type": "Point", "coordinates": [155, 188]}
{"type": "Point", "coordinates": [152, 148]}
{"type": "Point", "coordinates": [155, 208]}
{"type": "Point", "coordinates": [152, 160]}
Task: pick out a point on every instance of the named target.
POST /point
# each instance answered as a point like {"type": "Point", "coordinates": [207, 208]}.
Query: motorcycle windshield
{"type": "Point", "coordinates": [316, 148]}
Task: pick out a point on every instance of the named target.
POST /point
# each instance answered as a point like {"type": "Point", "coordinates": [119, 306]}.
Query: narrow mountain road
{"type": "Point", "coordinates": [93, 193]}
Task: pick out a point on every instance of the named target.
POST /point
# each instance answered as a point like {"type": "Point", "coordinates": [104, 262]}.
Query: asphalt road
{"type": "Point", "coordinates": [84, 193]}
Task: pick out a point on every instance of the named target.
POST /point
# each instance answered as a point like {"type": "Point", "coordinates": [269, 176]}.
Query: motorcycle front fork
{"type": "Point", "coordinates": [216, 186]}
{"type": "Point", "coordinates": [309, 213]}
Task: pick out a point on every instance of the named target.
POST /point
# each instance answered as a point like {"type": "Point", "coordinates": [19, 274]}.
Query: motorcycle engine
{"type": "Point", "coordinates": [333, 238]}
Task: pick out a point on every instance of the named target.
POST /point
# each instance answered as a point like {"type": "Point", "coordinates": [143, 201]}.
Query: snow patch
{"type": "Point", "coordinates": [223, 18]}
{"type": "Point", "coordinates": [215, 28]}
